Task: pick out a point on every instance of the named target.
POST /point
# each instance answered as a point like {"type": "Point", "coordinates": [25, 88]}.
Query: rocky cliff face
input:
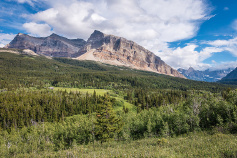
{"type": "Point", "coordinates": [207, 75]}
{"type": "Point", "coordinates": [53, 45]}
{"type": "Point", "coordinates": [99, 47]}
{"type": "Point", "coordinates": [120, 51]}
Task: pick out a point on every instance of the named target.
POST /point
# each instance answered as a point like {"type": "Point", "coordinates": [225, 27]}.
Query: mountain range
{"type": "Point", "coordinates": [100, 47]}
{"type": "Point", "coordinates": [231, 78]}
{"type": "Point", "coordinates": [207, 75]}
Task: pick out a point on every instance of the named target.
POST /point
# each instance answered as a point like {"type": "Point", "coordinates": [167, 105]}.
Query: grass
{"type": "Point", "coordinates": [193, 145]}
{"type": "Point", "coordinates": [127, 105]}
{"type": "Point", "coordinates": [83, 91]}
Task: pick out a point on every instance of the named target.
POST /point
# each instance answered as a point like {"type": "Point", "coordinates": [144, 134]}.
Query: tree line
{"type": "Point", "coordinates": [26, 107]}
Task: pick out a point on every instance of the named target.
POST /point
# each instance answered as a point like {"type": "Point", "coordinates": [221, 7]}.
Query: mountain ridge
{"type": "Point", "coordinates": [53, 45]}
{"type": "Point", "coordinates": [101, 47]}
{"type": "Point", "coordinates": [207, 75]}
{"type": "Point", "coordinates": [230, 78]}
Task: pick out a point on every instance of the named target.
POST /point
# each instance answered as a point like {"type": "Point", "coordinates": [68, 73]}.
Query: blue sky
{"type": "Point", "coordinates": [197, 33]}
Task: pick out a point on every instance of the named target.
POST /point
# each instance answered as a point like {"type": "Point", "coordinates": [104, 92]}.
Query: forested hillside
{"type": "Point", "coordinates": [231, 78]}
{"type": "Point", "coordinates": [33, 71]}
{"type": "Point", "coordinates": [45, 111]}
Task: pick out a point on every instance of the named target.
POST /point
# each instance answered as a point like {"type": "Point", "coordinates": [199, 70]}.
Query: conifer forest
{"type": "Point", "coordinates": [61, 107]}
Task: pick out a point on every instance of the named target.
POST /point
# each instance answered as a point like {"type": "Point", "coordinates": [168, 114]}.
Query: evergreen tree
{"type": "Point", "coordinates": [107, 124]}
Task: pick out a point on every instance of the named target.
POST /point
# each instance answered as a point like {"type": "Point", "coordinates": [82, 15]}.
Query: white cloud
{"type": "Point", "coordinates": [227, 45]}
{"type": "Point", "coordinates": [143, 21]}
{"type": "Point", "coordinates": [30, 2]}
{"type": "Point", "coordinates": [38, 29]}
{"type": "Point", "coordinates": [224, 65]}
{"type": "Point", "coordinates": [226, 8]}
{"type": "Point", "coordinates": [6, 38]}
{"type": "Point", "coordinates": [234, 25]}
{"type": "Point", "coordinates": [188, 57]}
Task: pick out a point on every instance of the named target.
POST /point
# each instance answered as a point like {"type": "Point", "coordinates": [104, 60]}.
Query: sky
{"type": "Point", "coordinates": [185, 33]}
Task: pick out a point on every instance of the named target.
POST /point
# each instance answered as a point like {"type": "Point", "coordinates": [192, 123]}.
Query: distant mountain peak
{"type": "Point", "coordinates": [230, 78]}
{"type": "Point", "coordinates": [20, 34]}
{"type": "Point", "coordinates": [191, 68]}
{"type": "Point", "coordinates": [53, 34]}
{"type": "Point", "coordinates": [231, 75]}
{"type": "Point", "coordinates": [97, 32]}
{"type": "Point", "coordinates": [207, 75]}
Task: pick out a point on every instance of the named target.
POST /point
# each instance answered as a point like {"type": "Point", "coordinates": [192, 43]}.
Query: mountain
{"type": "Point", "coordinates": [99, 47]}
{"type": "Point", "coordinates": [231, 78]}
{"type": "Point", "coordinates": [115, 50]}
{"type": "Point", "coordinates": [207, 75]}
{"type": "Point", "coordinates": [53, 45]}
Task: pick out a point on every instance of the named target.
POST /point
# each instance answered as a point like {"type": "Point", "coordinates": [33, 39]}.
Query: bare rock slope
{"type": "Point", "coordinates": [53, 45]}
{"type": "Point", "coordinates": [120, 51]}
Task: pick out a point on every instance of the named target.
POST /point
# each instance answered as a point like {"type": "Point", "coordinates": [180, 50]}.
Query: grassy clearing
{"type": "Point", "coordinates": [84, 91]}
{"type": "Point", "coordinates": [126, 104]}
{"type": "Point", "coordinates": [129, 106]}
{"type": "Point", "coordinates": [194, 145]}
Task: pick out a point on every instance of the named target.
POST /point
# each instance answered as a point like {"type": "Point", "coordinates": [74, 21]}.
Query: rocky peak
{"type": "Point", "coordinates": [53, 45]}
{"type": "Point", "coordinates": [54, 35]}
{"type": "Point", "coordinates": [95, 36]}
{"type": "Point", "coordinates": [190, 69]}
{"type": "Point", "coordinates": [207, 75]}
{"type": "Point", "coordinates": [115, 50]}
{"type": "Point", "coordinates": [21, 34]}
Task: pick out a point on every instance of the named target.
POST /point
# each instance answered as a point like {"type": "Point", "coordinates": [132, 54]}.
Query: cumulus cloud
{"type": "Point", "coordinates": [188, 57]}
{"type": "Point", "coordinates": [5, 39]}
{"type": "Point", "coordinates": [226, 45]}
{"type": "Point", "coordinates": [38, 29]}
{"type": "Point", "coordinates": [30, 2]}
{"type": "Point", "coordinates": [224, 65]}
{"type": "Point", "coordinates": [143, 21]}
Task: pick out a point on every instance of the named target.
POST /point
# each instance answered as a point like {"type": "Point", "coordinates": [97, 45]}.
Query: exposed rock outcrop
{"type": "Point", "coordinates": [120, 51]}
{"type": "Point", "coordinates": [19, 51]}
{"type": "Point", "coordinates": [53, 45]}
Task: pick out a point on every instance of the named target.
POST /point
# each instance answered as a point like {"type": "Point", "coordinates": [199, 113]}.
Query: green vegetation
{"type": "Point", "coordinates": [193, 145]}
{"type": "Point", "coordinates": [83, 91]}
{"type": "Point", "coordinates": [18, 71]}
{"type": "Point", "coordinates": [98, 110]}
{"type": "Point", "coordinates": [107, 124]}
{"type": "Point", "coordinates": [229, 81]}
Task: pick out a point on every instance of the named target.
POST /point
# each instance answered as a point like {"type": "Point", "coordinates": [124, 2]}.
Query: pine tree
{"type": "Point", "coordinates": [107, 124]}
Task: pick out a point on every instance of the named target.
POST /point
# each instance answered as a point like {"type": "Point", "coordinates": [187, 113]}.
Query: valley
{"type": "Point", "coordinates": [55, 108]}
